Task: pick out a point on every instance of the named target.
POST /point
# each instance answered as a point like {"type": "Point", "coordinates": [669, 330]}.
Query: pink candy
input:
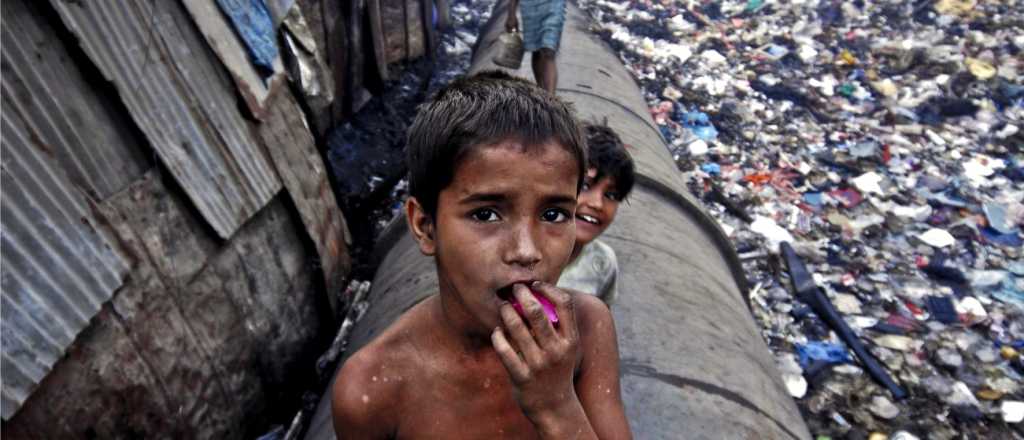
{"type": "Point", "coordinates": [549, 309]}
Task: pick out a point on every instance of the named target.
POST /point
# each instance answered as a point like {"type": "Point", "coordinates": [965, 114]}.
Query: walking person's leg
{"type": "Point", "coordinates": [545, 72]}
{"type": "Point", "coordinates": [542, 33]}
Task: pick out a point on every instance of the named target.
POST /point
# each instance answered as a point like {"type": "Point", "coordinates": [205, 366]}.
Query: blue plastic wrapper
{"type": "Point", "coordinates": [814, 199]}
{"type": "Point", "coordinates": [711, 168]}
{"type": "Point", "coordinates": [1010, 240]}
{"type": "Point", "coordinates": [821, 351]}
{"type": "Point", "coordinates": [699, 123]}
{"type": "Point", "coordinates": [252, 22]}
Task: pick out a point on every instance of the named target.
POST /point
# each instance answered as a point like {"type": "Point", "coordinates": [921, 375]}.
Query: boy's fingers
{"type": "Point", "coordinates": [564, 305]}
{"type": "Point", "coordinates": [515, 366]}
{"type": "Point", "coordinates": [520, 334]}
{"type": "Point", "coordinates": [534, 311]}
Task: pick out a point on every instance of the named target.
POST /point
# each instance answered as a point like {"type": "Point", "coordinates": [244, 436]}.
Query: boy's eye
{"type": "Point", "coordinates": [555, 215]}
{"type": "Point", "coordinates": [586, 186]}
{"type": "Point", "coordinates": [485, 215]}
{"type": "Point", "coordinates": [613, 196]}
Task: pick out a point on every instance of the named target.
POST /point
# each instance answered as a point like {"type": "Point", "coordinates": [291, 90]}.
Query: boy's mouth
{"type": "Point", "coordinates": [589, 219]}
{"type": "Point", "coordinates": [506, 294]}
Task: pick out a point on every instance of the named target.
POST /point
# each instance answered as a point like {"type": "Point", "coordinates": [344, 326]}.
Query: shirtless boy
{"type": "Point", "coordinates": [495, 167]}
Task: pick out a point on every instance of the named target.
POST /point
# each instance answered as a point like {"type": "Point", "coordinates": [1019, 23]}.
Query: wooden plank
{"type": "Point", "coordinates": [393, 21]}
{"type": "Point", "coordinates": [302, 170]}
{"type": "Point", "coordinates": [231, 51]}
{"type": "Point", "coordinates": [415, 32]}
{"type": "Point", "coordinates": [380, 53]}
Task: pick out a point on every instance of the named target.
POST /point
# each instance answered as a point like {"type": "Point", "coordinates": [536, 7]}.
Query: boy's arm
{"type": "Point", "coordinates": [598, 383]}
{"type": "Point", "coordinates": [358, 404]}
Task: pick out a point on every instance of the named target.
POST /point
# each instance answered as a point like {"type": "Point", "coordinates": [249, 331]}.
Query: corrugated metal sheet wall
{"type": "Point", "coordinates": [179, 99]}
{"type": "Point", "coordinates": [57, 270]}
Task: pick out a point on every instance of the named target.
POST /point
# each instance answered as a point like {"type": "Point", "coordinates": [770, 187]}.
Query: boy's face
{"type": "Point", "coordinates": [597, 206]}
{"type": "Point", "coordinates": [506, 217]}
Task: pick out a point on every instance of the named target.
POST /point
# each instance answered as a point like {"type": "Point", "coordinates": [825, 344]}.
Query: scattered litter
{"type": "Point", "coordinates": [771, 231]}
{"type": "Point", "coordinates": [880, 141]}
{"type": "Point", "coordinates": [936, 237]}
{"type": "Point", "coordinates": [884, 408]}
{"type": "Point", "coordinates": [1012, 411]}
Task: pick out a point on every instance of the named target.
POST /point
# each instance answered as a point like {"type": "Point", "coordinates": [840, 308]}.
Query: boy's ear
{"type": "Point", "coordinates": [421, 225]}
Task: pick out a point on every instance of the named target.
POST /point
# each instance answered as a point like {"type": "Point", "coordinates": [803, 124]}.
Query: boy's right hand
{"type": "Point", "coordinates": [541, 360]}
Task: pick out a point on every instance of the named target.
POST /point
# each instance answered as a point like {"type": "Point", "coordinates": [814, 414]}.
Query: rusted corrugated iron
{"type": "Point", "coordinates": [68, 117]}
{"type": "Point", "coordinates": [181, 100]}
{"type": "Point", "coordinates": [57, 269]}
{"type": "Point", "coordinates": [61, 144]}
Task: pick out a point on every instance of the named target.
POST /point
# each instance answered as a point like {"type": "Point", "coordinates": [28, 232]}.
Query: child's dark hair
{"type": "Point", "coordinates": [607, 153]}
{"type": "Point", "coordinates": [478, 110]}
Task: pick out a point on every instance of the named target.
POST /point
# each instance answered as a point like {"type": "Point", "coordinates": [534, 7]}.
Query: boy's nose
{"type": "Point", "coordinates": [523, 250]}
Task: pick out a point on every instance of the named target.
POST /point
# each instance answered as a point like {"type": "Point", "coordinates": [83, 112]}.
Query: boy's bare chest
{"type": "Point", "coordinates": [464, 405]}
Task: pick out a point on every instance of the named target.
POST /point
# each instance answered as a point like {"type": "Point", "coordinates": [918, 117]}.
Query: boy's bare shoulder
{"type": "Point", "coordinates": [591, 312]}
{"type": "Point", "coordinates": [370, 383]}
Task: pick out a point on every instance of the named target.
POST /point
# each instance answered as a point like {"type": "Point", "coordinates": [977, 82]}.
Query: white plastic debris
{"type": "Point", "coordinates": [971, 306]}
{"type": "Point", "coordinates": [712, 57]}
{"type": "Point", "coordinates": [679, 51]}
{"type": "Point", "coordinates": [869, 182]}
{"type": "Point", "coordinates": [903, 435]}
{"type": "Point", "coordinates": [806, 53]}
{"type": "Point", "coordinates": [917, 213]}
{"type": "Point", "coordinates": [979, 168]}
{"type": "Point", "coordinates": [936, 237]}
{"type": "Point", "coordinates": [961, 395]}
{"type": "Point", "coordinates": [884, 408]}
{"type": "Point", "coordinates": [846, 303]}
{"type": "Point", "coordinates": [774, 233]}
{"type": "Point", "coordinates": [795, 384]}
{"type": "Point", "coordinates": [698, 147]}
{"type": "Point", "coordinates": [1013, 411]}
{"type": "Point", "coordinates": [894, 342]}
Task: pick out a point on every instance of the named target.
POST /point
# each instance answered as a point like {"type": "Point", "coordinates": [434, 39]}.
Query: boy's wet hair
{"type": "Point", "coordinates": [484, 109]}
{"type": "Point", "coordinates": [607, 154]}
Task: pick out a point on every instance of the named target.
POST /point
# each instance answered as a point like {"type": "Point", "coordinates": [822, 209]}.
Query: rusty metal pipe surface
{"type": "Point", "coordinates": [693, 363]}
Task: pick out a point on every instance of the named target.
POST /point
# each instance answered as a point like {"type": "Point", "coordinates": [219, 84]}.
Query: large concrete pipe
{"type": "Point", "coordinates": [693, 363]}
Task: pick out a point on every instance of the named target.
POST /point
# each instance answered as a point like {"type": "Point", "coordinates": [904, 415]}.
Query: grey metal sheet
{"type": "Point", "coordinates": [57, 269]}
{"type": "Point", "coordinates": [182, 101]}
{"type": "Point", "coordinates": [68, 116]}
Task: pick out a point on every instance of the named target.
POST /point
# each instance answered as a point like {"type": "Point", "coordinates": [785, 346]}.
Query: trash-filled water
{"type": "Point", "coordinates": [881, 141]}
{"type": "Point", "coordinates": [366, 153]}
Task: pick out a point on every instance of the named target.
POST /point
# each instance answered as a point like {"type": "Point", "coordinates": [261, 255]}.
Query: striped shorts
{"type": "Point", "coordinates": [542, 22]}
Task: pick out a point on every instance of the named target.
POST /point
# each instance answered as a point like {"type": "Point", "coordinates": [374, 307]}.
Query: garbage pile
{"type": "Point", "coordinates": [880, 143]}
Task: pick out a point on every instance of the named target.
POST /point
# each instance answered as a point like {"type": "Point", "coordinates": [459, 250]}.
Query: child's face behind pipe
{"type": "Point", "coordinates": [506, 217]}
{"type": "Point", "coordinates": [597, 206]}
